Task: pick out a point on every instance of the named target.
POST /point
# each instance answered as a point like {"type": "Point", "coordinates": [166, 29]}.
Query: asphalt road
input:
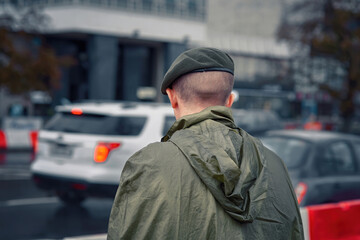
{"type": "Point", "coordinates": [29, 213]}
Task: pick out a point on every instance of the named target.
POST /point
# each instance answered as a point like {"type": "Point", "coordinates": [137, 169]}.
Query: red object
{"type": "Point", "coordinates": [34, 140]}
{"type": "Point", "coordinates": [313, 126]}
{"type": "Point", "coordinates": [329, 126]}
{"type": "Point", "coordinates": [291, 126]}
{"type": "Point", "coordinates": [76, 111]}
{"type": "Point", "coordinates": [335, 221]}
{"type": "Point", "coordinates": [79, 186]}
{"type": "Point", "coordinates": [102, 151]}
{"type": "Point", "coordinates": [3, 144]}
{"type": "Point", "coordinates": [300, 191]}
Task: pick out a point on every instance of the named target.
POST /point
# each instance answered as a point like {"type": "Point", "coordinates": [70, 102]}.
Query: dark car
{"type": "Point", "coordinates": [324, 166]}
{"type": "Point", "coordinates": [257, 122]}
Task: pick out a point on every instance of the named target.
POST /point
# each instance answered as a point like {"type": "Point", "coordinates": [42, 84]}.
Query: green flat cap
{"type": "Point", "coordinates": [197, 60]}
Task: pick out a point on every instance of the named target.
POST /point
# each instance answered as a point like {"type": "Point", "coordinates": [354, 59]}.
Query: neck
{"type": "Point", "coordinates": [184, 110]}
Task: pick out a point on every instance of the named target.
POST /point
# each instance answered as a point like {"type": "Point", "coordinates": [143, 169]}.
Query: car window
{"type": "Point", "coordinates": [245, 121]}
{"type": "Point", "coordinates": [260, 120]}
{"type": "Point", "coordinates": [291, 151]}
{"type": "Point", "coordinates": [357, 149]}
{"type": "Point", "coordinates": [273, 120]}
{"type": "Point", "coordinates": [96, 124]}
{"type": "Point", "coordinates": [336, 159]}
{"type": "Point", "coordinates": [256, 121]}
{"type": "Point", "coordinates": [169, 121]}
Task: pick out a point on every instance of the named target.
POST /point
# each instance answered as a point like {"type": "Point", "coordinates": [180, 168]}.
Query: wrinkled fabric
{"type": "Point", "coordinates": [207, 179]}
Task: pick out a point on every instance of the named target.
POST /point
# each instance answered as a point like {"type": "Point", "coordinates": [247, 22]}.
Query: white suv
{"type": "Point", "coordinates": [83, 148]}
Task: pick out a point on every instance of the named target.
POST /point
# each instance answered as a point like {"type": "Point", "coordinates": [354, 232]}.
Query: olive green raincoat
{"type": "Point", "coordinates": [207, 179]}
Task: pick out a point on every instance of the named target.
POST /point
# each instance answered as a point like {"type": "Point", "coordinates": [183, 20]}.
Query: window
{"type": "Point", "coordinates": [357, 149]}
{"type": "Point", "coordinates": [192, 6]}
{"type": "Point", "coordinates": [96, 124]}
{"type": "Point", "coordinates": [170, 6]}
{"type": "Point", "coordinates": [336, 159]}
{"type": "Point", "coordinates": [291, 151]}
{"type": "Point", "coordinates": [147, 5]}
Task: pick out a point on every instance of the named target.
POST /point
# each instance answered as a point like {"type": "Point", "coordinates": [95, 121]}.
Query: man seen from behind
{"type": "Point", "coordinates": [207, 178]}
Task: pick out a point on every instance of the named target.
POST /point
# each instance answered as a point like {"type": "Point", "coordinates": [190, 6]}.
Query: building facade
{"type": "Point", "coordinates": [123, 48]}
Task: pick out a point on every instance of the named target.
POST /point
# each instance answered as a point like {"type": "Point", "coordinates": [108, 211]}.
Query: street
{"type": "Point", "coordinates": [29, 213]}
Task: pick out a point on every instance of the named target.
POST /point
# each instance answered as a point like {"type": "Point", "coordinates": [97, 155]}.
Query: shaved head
{"type": "Point", "coordinates": [204, 88]}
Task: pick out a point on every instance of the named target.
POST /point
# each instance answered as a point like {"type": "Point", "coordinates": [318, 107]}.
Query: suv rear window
{"type": "Point", "coordinates": [291, 151]}
{"type": "Point", "coordinates": [96, 124]}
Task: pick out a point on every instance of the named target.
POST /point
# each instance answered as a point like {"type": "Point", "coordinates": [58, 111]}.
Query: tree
{"type": "Point", "coordinates": [27, 62]}
{"type": "Point", "coordinates": [331, 29]}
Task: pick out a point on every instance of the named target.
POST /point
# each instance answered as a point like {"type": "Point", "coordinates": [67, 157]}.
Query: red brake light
{"type": "Point", "coordinates": [103, 149]}
{"type": "Point", "coordinates": [300, 191]}
{"type": "Point", "coordinates": [2, 140]}
{"type": "Point", "coordinates": [76, 111]}
{"type": "Point", "coordinates": [34, 140]}
{"type": "Point", "coordinates": [79, 186]}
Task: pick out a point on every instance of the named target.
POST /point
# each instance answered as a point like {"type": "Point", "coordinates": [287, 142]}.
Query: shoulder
{"type": "Point", "coordinates": [154, 156]}
{"type": "Point", "coordinates": [154, 151]}
{"type": "Point", "coordinates": [152, 167]}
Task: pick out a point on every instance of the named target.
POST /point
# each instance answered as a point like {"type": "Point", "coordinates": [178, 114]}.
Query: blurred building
{"type": "Point", "coordinates": [269, 73]}
{"type": "Point", "coordinates": [247, 30]}
{"type": "Point", "coordinates": [124, 47]}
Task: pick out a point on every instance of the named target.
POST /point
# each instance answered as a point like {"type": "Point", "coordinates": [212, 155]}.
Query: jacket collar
{"type": "Point", "coordinates": [217, 113]}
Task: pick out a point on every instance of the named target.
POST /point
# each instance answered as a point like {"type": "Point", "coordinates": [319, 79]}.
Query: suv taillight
{"type": "Point", "coordinates": [103, 149]}
{"type": "Point", "coordinates": [34, 140]}
{"type": "Point", "coordinates": [76, 111]}
{"type": "Point", "coordinates": [300, 191]}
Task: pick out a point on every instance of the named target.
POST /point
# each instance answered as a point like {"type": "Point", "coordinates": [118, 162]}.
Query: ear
{"type": "Point", "coordinates": [230, 100]}
{"type": "Point", "coordinates": [172, 97]}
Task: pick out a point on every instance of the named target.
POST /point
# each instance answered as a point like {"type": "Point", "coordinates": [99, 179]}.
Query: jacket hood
{"type": "Point", "coordinates": [229, 161]}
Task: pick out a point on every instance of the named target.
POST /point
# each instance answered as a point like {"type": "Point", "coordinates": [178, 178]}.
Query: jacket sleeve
{"type": "Point", "coordinates": [141, 208]}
